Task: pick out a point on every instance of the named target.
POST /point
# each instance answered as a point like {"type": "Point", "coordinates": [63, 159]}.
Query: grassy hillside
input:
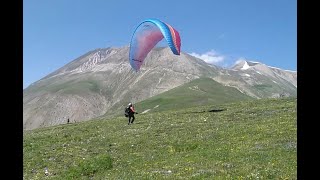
{"type": "Point", "coordinates": [202, 91]}
{"type": "Point", "coordinates": [241, 140]}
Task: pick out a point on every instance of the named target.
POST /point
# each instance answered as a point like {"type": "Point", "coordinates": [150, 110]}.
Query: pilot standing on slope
{"type": "Point", "coordinates": [131, 113]}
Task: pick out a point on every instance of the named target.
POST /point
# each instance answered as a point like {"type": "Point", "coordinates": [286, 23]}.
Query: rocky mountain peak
{"type": "Point", "coordinates": [101, 81]}
{"type": "Point", "coordinates": [244, 65]}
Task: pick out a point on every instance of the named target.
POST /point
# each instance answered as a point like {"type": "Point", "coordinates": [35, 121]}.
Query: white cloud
{"type": "Point", "coordinates": [211, 57]}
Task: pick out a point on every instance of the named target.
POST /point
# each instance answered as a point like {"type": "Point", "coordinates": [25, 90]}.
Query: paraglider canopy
{"type": "Point", "coordinates": [147, 34]}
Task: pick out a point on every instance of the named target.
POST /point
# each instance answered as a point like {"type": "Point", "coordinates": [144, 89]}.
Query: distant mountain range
{"type": "Point", "coordinates": [101, 82]}
{"type": "Point", "coordinates": [259, 80]}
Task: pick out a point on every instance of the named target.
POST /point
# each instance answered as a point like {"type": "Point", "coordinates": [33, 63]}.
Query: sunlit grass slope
{"type": "Point", "coordinates": [241, 140]}
{"type": "Point", "coordinates": [202, 91]}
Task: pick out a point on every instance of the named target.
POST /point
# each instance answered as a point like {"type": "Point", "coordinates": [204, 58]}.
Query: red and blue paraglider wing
{"type": "Point", "coordinates": [147, 35]}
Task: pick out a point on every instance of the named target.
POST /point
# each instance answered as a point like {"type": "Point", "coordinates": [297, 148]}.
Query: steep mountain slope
{"type": "Point", "coordinates": [101, 82]}
{"type": "Point", "coordinates": [102, 79]}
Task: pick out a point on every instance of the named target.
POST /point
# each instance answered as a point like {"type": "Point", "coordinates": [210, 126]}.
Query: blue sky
{"type": "Point", "coordinates": [56, 32]}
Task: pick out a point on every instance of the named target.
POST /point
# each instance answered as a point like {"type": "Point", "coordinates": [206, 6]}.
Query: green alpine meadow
{"type": "Point", "coordinates": [245, 139]}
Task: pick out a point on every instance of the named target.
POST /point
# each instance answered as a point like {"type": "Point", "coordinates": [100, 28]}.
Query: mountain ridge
{"type": "Point", "coordinates": [102, 80]}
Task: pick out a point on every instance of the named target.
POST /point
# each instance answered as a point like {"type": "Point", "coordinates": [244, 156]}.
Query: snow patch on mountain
{"type": "Point", "coordinates": [245, 66]}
